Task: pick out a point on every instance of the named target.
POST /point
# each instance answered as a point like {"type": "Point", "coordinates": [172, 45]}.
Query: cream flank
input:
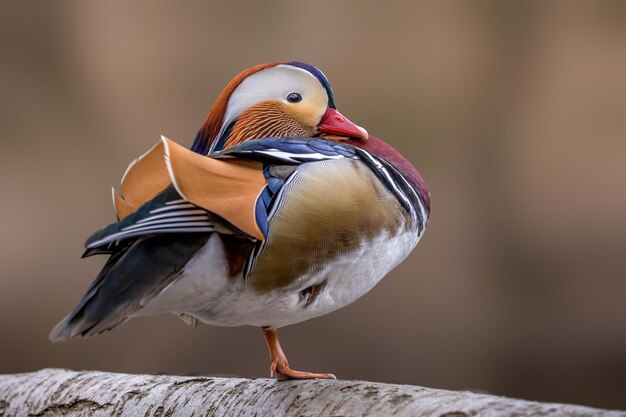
{"type": "Point", "coordinates": [206, 291]}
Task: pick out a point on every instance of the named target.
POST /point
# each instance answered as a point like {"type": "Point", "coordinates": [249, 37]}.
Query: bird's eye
{"type": "Point", "coordinates": [294, 98]}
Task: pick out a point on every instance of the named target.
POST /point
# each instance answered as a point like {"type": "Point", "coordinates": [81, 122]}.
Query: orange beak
{"type": "Point", "coordinates": [335, 123]}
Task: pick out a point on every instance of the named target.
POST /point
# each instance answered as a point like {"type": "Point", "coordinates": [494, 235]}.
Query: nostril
{"type": "Point", "coordinates": [339, 118]}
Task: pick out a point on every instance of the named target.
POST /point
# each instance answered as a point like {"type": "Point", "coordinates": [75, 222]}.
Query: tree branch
{"type": "Point", "coordinates": [58, 392]}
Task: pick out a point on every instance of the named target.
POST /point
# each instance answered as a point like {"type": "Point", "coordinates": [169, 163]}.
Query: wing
{"type": "Point", "coordinates": [228, 189]}
{"type": "Point", "coordinates": [233, 191]}
{"type": "Point", "coordinates": [167, 213]}
{"type": "Point", "coordinates": [171, 200]}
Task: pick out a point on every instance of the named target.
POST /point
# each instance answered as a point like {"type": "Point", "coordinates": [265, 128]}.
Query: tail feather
{"type": "Point", "coordinates": [136, 273]}
{"type": "Point", "coordinates": [62, 331]}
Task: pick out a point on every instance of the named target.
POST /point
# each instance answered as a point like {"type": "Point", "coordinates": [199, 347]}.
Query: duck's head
{"type": "Point", "coordinates": [274, 100]}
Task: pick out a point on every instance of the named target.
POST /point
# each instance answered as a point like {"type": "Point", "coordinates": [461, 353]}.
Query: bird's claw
{"type": "Point", "coordinates": [282, 372]}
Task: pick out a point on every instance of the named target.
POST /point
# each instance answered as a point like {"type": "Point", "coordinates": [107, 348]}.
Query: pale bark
{"type": "Point", "coordinates": [58, 392]}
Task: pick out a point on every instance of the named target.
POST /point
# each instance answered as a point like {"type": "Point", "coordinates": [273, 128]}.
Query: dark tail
{"type": "Point", "coordinates": [131, 276]}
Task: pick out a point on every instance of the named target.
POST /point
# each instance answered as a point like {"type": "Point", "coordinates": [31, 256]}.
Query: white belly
{"type": "Point", "coordinates": [205, 290]}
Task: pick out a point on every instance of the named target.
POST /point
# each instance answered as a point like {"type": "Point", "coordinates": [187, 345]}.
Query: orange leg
{"type": "Point", "coordinates": [280, 367]}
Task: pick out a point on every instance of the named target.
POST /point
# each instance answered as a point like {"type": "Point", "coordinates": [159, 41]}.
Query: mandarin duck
{"type": "Point", "coordinates": [283, 210]}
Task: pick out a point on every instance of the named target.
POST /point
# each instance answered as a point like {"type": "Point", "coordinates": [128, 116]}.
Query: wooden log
{"type": "Point", "coordinates": [60, 392]}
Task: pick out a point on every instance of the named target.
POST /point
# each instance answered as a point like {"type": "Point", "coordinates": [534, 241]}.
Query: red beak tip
{"type": "Point", "coordinates": [335, 123]}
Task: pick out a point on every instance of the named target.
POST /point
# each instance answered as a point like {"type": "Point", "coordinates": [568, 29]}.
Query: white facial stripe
{"type": "Point", "coordinates": [275, 83]}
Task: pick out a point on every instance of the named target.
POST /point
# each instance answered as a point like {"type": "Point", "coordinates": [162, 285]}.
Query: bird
{"type": "Point", "coordinates": [281, 211]}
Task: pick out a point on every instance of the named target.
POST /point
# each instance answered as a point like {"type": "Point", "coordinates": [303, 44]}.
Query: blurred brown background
{"type": "Point", "coordinates": [514, 112]}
